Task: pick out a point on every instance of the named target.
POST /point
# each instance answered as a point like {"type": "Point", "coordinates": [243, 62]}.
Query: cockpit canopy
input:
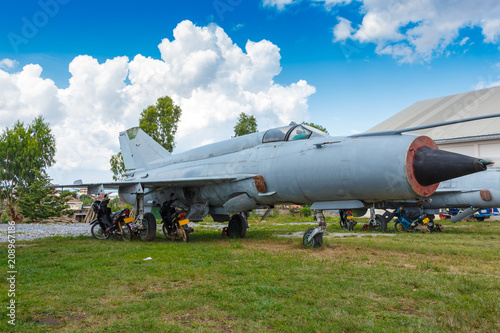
{"type": "Point", "coordinates": [291, 132]}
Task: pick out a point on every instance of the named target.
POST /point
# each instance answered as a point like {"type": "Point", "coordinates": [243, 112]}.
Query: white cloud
{"type": "Point", "coordinates": [343, 30]}
{"type": "Point", "coordinates": [201, 69]}
{"type": "Point", "coordinates": [279, 4]}
{"type": "Point", "coordinates": [8, 63]}
{"type": "Point", "coordinates": [415, 31]}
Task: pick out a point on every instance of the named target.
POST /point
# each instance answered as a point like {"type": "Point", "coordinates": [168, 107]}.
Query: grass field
{"type": "Point", "coordinates": [438, 282]}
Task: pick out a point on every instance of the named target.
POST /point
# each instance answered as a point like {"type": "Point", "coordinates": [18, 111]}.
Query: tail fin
{"type": "Point", "coordinates": [139, 149]}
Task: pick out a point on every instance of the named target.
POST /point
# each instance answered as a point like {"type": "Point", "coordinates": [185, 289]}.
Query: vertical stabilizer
{"type": "Point", "coordinates": [139, 149]}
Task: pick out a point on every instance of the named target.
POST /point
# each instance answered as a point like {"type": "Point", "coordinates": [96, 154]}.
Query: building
{"type": "Point", "coordinates": [75, 204]}
{"type": "Point", "coordinates": [479, 138]}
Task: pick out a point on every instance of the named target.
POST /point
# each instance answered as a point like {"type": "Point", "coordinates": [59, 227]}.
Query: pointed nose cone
{"type": "Point", "coordinates": [432, 165]}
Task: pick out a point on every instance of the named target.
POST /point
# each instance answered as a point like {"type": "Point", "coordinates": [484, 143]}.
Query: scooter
{"type": "Point", "coordinates": [108, 224]}
{"type": "Point", "coordinates": [423, 223]}
{"type": "Point", "coordinates": [175, 223]}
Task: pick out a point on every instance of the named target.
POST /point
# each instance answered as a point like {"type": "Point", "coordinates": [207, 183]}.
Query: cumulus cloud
{"type": "Point", "coordinates": [8, 63]}
{"type": "Point", "coordinates": [414, 31]}
{"type": "Point", "coordinates": [201, 69]}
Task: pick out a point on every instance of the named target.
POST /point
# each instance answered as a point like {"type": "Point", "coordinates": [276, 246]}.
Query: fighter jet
{"type": "Point", "coordinates": [295, 164]}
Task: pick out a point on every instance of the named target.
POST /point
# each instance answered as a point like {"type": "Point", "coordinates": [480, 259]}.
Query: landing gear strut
{"type": "Point", "coordinates": [314, 237]}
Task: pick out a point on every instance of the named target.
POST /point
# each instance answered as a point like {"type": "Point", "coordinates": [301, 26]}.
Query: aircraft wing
{"type": "Point", "coordinates": [95, 188]}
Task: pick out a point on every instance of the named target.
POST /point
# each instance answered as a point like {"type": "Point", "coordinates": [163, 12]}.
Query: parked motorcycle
{"type": "Point", "coordinates": [109, 224]}
{"type": "Point", "coordinates": [420, 222]}
{"type": "Point", "coordinates": [175, 223]}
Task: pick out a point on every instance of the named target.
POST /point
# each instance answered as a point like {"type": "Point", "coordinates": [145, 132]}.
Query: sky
{"type": "Point", "coordinates": [90, 67]}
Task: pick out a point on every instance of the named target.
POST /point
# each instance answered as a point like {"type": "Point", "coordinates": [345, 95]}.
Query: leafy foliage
{"type": "Point", "coordinates": [38, 201]}
{"type": "Point", "coordinates": [25, 152]}
{"type": "Point", "coordinates": [321, 128]}
{"type": "Point", "coordinates": [117, 166]}
{"type": "Point", "coordinates": [86, 199]}
{"type": "Point", "coordinates": [160, 121]}
{"type": "Point", "coordinates": [246, 124]}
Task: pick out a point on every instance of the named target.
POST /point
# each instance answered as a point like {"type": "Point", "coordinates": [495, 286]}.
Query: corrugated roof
{"type": "Point", "coordinates": [460, 106]}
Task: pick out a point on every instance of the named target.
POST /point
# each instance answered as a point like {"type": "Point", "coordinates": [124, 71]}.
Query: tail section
{"type": "Point", "coordinates": [139, 149]}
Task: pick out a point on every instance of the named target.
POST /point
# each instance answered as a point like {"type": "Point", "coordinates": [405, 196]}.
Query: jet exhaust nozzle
{"type": "Point", "coordinates": [433, 166]}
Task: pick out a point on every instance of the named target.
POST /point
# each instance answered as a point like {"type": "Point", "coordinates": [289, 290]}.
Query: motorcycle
{"type": "Point", "coordinates": [420, 222]}
{"type": "Point", "coordinates": [347, 220]}
{"type": "Point", "coordinates": [175, 223]}
{"type": "Point", "coordinates": [109, 224]}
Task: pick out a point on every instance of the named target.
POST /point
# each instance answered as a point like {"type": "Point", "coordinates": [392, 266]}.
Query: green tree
{"type": "Point", "coordinates": [39, 201]}
{"type": "Point", "coordinates": [86, 199]}
{"type": "Point", "coordinates": [117, 166]}
{"type": "Point", "coordinates": [246, 125]}
{"type": "Point", "coordinates": [160, 122]}
{"type": "Point", "coordinates": [321, 128]}
{"type": "Point", "coordinates": [25, 152]}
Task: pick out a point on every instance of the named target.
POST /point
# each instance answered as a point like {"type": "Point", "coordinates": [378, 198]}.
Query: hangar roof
{"type": "Point", "coordinates": [465, 105]}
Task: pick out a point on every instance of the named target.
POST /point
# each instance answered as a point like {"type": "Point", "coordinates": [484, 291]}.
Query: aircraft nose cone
{"type": "Point", "coordinates": [432, 165]}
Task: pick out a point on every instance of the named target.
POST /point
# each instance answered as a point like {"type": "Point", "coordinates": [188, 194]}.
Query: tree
{"type": "Point", "coordinates": [25, 152]}
{"type": "Point", "coordinates": [319, 127]}
{"type": "Point", "coordinates": [39, 201]}
{"type": "Point", "coordinates": [245, 125]}
{"type": "Point", "coordinates": [117, 166]}
{"type": "Point", "coordinates": [159, 122]}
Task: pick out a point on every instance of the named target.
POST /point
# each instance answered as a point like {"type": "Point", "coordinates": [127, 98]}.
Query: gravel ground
{"type": "Point", "coordinates": [33, 231]}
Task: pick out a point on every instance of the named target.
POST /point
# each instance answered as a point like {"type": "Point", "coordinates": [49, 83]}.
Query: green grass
{"type": "Point", "coordinates": [410, 282]}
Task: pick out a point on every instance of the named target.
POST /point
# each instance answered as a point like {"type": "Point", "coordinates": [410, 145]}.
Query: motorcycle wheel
{"type": "Point", "coordinates": [343, 224]}
{"type": "Point", "coordinates": [165, 232]}
{"type": "Point", "coordinates": [97, 232]}
{"type": "Point", "coordinates": [125, 232]}
{"type": "Point", "coordinates": [399, 227]}
{"type": "Point", "coordinates": [185, 235]}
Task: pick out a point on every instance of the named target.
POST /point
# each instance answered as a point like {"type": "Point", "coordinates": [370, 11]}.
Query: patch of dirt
{"type": "Point", "coordinates": [195, 316]}
{"type": "Point", "coordinates": [47, 320]}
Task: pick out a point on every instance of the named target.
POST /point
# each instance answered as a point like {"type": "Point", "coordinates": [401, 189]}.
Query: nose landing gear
{"type": "Point", "coordinates": [313, 237]}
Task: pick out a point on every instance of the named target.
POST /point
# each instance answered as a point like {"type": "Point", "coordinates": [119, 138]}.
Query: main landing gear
{"type": "Point", "coordinates": [314, 237]}
{"type": "Point", "coordinates": [237, 227]}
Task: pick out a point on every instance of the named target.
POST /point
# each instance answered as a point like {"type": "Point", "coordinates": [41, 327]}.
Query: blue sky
{"type": "Point", "coordinates": [346, 65]}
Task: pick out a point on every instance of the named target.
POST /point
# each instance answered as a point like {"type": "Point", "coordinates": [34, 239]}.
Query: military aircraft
{"type": "Point", "coordinates": [291, 164]}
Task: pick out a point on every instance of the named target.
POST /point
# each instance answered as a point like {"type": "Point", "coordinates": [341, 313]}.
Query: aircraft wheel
{"type": "Point", "coordinates": [126, 233]}
{"type": "Point", "coordinates": [149, 231]}
{"type": "Point", "coordinates": [399, 227]}
{"type": "Point", "coordinates": [380, 224]}
{"type": "Point", "coordinates": [97, 232]}
{"type": "Point", "coordinates": [315, 242]}
{"type": "Point", "coordinates": [479, 218]}
{"type": "Point", "coordinates": [237, 227]}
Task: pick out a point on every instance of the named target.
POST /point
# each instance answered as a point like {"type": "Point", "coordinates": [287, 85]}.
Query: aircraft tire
{"type": "Point", "coordinates": [149, 233]}
{"type": "Point", "coordinates": [381, 224]}
{"type": "Point", "coordinates": [237, 227]}
{"type": "Point", "coordinates": [97, 232]}
{"type": "Point", "coordinates": [316, 241]}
